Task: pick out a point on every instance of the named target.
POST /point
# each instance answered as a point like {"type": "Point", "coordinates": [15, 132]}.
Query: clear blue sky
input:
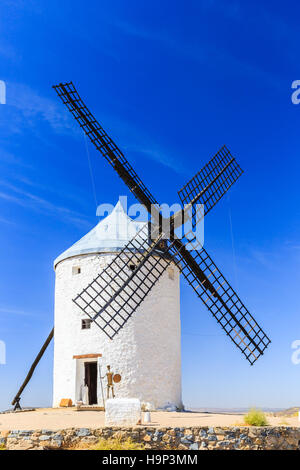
{"type": "Point", "coordinates": [171, 82]}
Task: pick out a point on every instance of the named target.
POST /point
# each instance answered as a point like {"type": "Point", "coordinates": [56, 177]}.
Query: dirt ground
{"type": "Point", "coordinates": [55, 419]}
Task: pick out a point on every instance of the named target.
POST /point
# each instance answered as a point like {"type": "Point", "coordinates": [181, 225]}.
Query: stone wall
{"type": "Point", "coordinates": [189, 438]}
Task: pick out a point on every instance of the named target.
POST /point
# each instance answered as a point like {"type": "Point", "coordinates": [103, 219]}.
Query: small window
{"type": "Point", "coordinates": [86, 324]}
{"type": "Point", "coordinates": [76, 270]}
{"type": "Point", "coordinates": [171, 273]}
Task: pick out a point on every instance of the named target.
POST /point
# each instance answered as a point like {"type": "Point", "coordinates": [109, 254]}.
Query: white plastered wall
{"type": "Point", "coordinates": [146, 352]}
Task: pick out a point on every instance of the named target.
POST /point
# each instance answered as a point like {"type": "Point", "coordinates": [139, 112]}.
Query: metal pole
{"type": "Point", "coordinates": [100, 377]}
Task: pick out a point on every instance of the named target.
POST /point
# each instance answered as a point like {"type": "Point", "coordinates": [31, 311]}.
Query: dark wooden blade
{"type": "Point", "coordinates": [222, 301]}
{"type": "Point", "coordinates": [210, 184]}
{"type": "Point", "coordinates": [101, 140]}
{"type": "Point", "coordinates": [114, 295]}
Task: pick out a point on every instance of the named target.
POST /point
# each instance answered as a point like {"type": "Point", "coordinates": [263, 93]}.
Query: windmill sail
{"type": "Point", "coordinates": [210, 184]}
{"type": "Point", "coordinates": [101, 140]}
{"type": "Point", "coordinates": [224, 304]}
{"type": "Point", "coordinates": [108, 306]}
{"type": "Point", "coordinates": [112, 297]}
{"type": "Point", "coordinates": [202, 275]}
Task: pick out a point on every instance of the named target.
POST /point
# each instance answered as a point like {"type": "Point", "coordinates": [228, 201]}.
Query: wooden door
{"type": "Point", "coordinates": [90, 380]}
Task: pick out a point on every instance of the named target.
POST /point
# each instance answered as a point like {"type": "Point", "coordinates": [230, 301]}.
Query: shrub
{"type": "Point", "coordinates": [255, 418]}
{"type": "Point", "coordinates": [117, 444]}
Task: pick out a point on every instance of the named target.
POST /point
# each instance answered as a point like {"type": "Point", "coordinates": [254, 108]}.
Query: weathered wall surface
{"type": "Point", "coordinates": [192, 438]}
{"type": "Point", "coordinates": [146, 352]}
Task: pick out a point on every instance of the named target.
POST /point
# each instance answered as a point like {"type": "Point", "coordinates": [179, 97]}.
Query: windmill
{"type": "Point", "coordinates": [208, 186]}
{"type": "Point", "coordinates": [111, 298]}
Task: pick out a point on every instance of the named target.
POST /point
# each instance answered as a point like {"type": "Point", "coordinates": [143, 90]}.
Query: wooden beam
{"type": "Point", "coordinates": [87, 356]}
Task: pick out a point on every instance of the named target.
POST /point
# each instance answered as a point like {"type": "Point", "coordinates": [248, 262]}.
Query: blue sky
{"type": "Point", "coordinates": [171, 82]}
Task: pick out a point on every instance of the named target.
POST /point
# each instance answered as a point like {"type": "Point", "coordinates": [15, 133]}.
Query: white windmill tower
{"type": "Point", "coordinates": [146, 352]}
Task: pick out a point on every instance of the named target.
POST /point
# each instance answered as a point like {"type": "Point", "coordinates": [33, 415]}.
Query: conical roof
{"type": "Point", "coordinates": [110, 235]}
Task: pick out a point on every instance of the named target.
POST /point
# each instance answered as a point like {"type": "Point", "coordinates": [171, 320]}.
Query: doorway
{"type": "Point", "coordinates": [90, 379]}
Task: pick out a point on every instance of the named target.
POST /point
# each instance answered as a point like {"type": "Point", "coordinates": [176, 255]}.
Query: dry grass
{"type": "Point", "coordinates": [115, 443]}
{"type": "Point", "coordinates": [255, 417]}
{"type": "Point", "coordinates": [78, 446]}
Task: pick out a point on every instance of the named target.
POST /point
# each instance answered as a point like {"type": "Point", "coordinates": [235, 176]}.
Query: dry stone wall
{"type": "Point", "coordinates": [188, 438]}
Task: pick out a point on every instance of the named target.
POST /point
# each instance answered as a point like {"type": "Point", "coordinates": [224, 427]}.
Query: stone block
{"type": "Point", "coordinates": [194, 446]}
{"type": "Point", "coordinates": [20, 445]}
{"type": "Point", "coordinates": [47, 432]}
{"type": "Point", "coordinates": [83, 432]}
{"type": "Point", "coordinates": [122, 412]}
